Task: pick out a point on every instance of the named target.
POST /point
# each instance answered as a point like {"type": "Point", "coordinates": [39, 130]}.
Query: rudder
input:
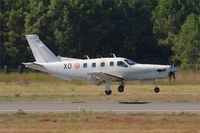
{"type": "Point", "coordinates": [41, 53]}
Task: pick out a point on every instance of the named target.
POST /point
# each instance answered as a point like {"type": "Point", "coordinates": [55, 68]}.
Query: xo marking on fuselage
{"type": "Point", "coordinates": [68, 66]}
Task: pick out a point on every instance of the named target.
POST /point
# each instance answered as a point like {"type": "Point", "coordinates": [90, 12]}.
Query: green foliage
{"type": "Point", "coordinates": [187, 45]}
{"type": "Point", "coordinates": [169, 16]}
{"type": "Point", "coordinates": [73, 28]}
{"type": "Point", "coordinates": [176, 24]}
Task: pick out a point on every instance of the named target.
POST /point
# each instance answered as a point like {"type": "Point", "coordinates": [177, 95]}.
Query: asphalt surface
{"type": "Point", "coordinates": [122, 107]}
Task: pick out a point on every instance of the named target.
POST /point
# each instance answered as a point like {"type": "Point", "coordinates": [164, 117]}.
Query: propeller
{"type": "Point", "coordinates": [172, 75]}
{"type": "Point", "coordinates": [172, 72]}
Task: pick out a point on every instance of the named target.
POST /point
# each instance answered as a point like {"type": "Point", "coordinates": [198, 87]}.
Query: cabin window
{"type": "Point", "coordinates": [111, 63]}
{"type": "Point", "coordinates": [121, 64]}
{"type": "Point", "coordinates": [85, 65]}
{"type": "Point", "coordinates": [93, 65]}
{"type": "Point", "coordinates": [102, 64]}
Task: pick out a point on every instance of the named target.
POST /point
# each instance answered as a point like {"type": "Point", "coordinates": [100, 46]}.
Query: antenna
{"type": "Point", "coordinates": [86, 56]}
{"type": "Point", "coordinates": [113, 55]}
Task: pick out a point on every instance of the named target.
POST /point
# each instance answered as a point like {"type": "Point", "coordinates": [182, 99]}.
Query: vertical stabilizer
{"type": "Point", "coordinates": [41, 53]}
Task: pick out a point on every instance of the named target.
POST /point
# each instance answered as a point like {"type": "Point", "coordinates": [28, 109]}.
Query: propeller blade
{"type": "Point", "coordinates": [172, 64]}
{"type": "Point", "coordinates": [172, 75]}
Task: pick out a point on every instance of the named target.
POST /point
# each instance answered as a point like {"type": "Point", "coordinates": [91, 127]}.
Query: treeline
{"type": "Point", "coordinates": [147, 31]}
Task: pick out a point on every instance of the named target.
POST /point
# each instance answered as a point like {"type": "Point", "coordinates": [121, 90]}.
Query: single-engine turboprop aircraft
{"type": "Point", "coordinates": [97, 70]}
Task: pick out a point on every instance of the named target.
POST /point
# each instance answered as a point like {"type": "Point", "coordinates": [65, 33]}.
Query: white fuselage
{"type": "Point", "coordinates": [78, 70]}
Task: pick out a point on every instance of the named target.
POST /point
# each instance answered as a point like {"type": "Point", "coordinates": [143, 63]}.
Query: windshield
{"type": "Point", "coordinates": [130, 62]}
{"type": "Point", "coordinates": [122, 64]}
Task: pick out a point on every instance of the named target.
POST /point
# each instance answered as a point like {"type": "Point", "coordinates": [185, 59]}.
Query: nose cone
{"type": "Point", "coordinates": [167, 68]}
{"type": "Point", "coordinates": [162, 67]}
{"type": "Point", "coordinates": [172, 70]}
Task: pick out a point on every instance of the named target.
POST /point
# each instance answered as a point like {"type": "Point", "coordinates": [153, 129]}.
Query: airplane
{"type": "Point", "coordinates": [98, 70]}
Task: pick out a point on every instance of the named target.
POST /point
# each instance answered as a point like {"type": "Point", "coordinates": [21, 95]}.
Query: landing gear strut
{"type": "Point", "coordinates": [121, 87]}
{"type": "Point", "coordinates": [156, 89]}
{"type": "Point", "coordinates": [108, 90]}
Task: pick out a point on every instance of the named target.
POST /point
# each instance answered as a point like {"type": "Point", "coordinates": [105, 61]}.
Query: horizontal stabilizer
{"type": "Point", "coordinates": [35, 66]}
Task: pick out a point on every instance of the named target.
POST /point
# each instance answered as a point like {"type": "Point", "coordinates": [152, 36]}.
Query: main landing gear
{"type": "Point", "coordinates": [108, 90]}
{"type": "Point", "coordinates": [121, 87]}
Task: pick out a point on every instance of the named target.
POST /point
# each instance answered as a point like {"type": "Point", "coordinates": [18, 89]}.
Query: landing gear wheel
{"type": "Point", "coordinates": [108, 92]}
{"type": "Point", "coordinates": [156, 90]}
{"type": "Point", "coordinates": [121, 88]}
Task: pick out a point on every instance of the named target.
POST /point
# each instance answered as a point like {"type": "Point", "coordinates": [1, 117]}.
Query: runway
{"type": "Point", "coordinates": [121, 107]}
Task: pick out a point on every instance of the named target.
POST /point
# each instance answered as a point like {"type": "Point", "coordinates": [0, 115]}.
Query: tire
{"type": "Point", "coordinates": [108, 92]}
{"type": "Point", "coordinates": [121, 88]}
{"type": "Point", "coordinates": [156, 90]}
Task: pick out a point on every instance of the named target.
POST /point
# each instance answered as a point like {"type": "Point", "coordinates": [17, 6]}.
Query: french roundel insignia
{"type": "Point", "coordinates": [77, 65]}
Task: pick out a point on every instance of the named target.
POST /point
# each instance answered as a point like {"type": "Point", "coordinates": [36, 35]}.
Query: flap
{"type": "Point", "coordinates": [105, 76]}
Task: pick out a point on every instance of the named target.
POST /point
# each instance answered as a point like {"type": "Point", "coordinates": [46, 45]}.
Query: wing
{"type": "Point", "coordinates": [35, 66]}
{"type": "Point", "coordinates": [100, 77]}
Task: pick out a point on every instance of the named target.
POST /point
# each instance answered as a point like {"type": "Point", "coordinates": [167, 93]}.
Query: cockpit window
{"type": "Point", "coordinates": [130, 62]}
{"type": "Point", "coordinates": [122, 64]}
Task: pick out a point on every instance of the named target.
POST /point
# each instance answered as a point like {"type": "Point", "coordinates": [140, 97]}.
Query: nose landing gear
{"type": "Point", "coordinates": [156, 89]}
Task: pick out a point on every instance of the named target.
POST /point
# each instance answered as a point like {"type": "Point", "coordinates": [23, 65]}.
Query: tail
{"type": "Point", "coordinates": [41, 53]}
